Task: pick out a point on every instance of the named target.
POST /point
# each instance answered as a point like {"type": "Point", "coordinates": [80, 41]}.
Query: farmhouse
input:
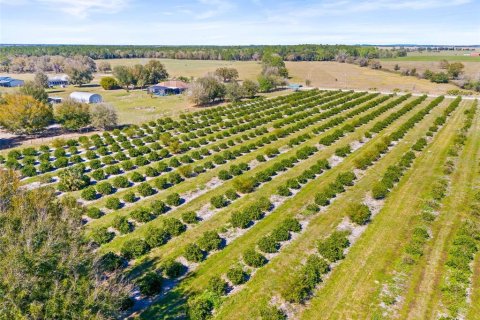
{"type": "Point", "coordinates": [86, 97]}
{"type": "Point", "coordinates": [10, 82]}
{"type": "Point", "coordinates": [58, 81]}
{"type": "Point", "coordinates": [168, 87]}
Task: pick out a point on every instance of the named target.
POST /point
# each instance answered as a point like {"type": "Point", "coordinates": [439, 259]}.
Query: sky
{"type": "Point", "coordinates": [232, 22]}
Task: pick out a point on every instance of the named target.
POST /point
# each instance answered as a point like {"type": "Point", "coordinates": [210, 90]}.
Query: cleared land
{"type": "Point", "coordinates": [222, 180]}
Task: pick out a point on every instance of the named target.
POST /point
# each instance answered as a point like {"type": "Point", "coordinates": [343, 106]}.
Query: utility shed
{"type": "Point", "coordinates": [10, 82]}
{"type": "Point", "coordinates": [86, 97]}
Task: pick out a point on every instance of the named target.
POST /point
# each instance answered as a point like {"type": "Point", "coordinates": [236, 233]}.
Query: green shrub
{"type": "Point", "coordinates": [185, 171]}
{"type": "Point", "coordinates": [332, 247]}
{"type": "Point", "coordinates": [127, 165]}
{"type": "Point", "coordinates": [137, 177]}
{"type": "Point", "coordinates": [264, 204]}
{"type": "Point", "coordinates": [158, 207]}
{"type": "Point", "coordinates": [98, 175]}
{"type": "Point", "coordinates": [322, 199]}
{"type": "Point", "coordinates": [343, 151]}
{"type": "Point", "coordinates": [293, 184]}
{"type": "Point", "coordinates": [200, 308]}
{"type": "Point", "coordinates": [29, 171]}
{"type": "Point", "coordinates": [120, 182]}
{"type": "Point", "coordinates": [94, 212]}
{"type": "Point", "coordinates": [110, 262]}
{"type": "Point", "coordinates": [102, 235]}
{"type": "Point", "coordinates": [174, 226]}
{"type": "Point", "coordinates": [292, 225]}
{"type": "Point", "coordinates": [105, 188]}
{"type": "Point", "coordinates": [236, 275]}
{"type": "Point", "coordinates": [156, 236]}
{"type": "Point", "coordinates": [172, 269]}
{"type": "Point", "coordinates": [60, 162]}
{"type": "Point", "coordinates": [283, 191]}
{"type": "Point", "coordinates": [379, 191]}
{"type": "Point", "coordinates": [240, 219]}
{"type": "Point", "coordinates": [346, 178]}
{"type": "Point", "coordinates": [218, 286]}
{"type": "Point", "coordinates": [113, 203]}
{"type": "Point", "coordinates": [145, 190]}
{"type": "Point", "coordinates": [89, 194]}
{"type": "Point", "coordinates": [224, 175]}
{"type": "Point", "coordinates": [190, 217]}
{"type": "Point", "coordinates": [95, 164]}
{"type": "Point", "coordinates": [272, 313]}
{"type": "Point", "coordinates": [359, 213]}
{"type": "Point", "coordinates": [231, 194]}
{"type": "Point", "coordinates": [141, 215]}
{"type": "Point", "coordinates": [244, 184]}
{"type": "Point", "coordinates": [151, 172]}
{"type": "Point", "coordinates": [150, 284]}
{"type": "Point", "coordinates": [122, 225]}
{"type": "Point", "coordinates": [173, 199]}
{"type": "Point", "coordinates": [254, 259]}
{"type": "Point", "coordinates": [193, 253]}
{"type": "Point", "coordinates": [210, 240]}
{"type": "Point", "coordinates": [280, 234]}
{"type": "Point", "coordinates": [268, 245]}
{"type": "Point", "coordinates": [129, 197]}
{"type": "Point", "coordinates": [174, 178]}
{"type": "Point", "coordinates": [134, 248]}
{"type": "Point", "coordinates": [219, 201]}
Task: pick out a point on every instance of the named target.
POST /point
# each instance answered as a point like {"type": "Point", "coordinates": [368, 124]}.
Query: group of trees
{"type": "Point", "coordinates": [221, 85]}
{"type": "Point", "coordinates": [452, 72]}
{"type": "Point", "coordinates": [44, 281]}
{"type": "Point", "coordinates": [74, 115]}
{"type": "Point", "coordinates": [28, 112]}
{"type": "Point", "coordinates": [140, 75]}
{"type": "Point", "coordinates": [78, 67]}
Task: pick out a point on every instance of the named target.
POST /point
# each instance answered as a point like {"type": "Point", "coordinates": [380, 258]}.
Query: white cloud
{"type": "Point", "coordinates": [82, 8]}
{"type": "Point", "coordinates": [346, 7]}
{"type": "Point", "coordinates": [215, 8]}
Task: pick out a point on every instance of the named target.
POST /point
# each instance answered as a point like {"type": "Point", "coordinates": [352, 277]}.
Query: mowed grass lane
{"type": "Point", "coordinates": [221, 261]}
{"type": "Point", "coordinates": [353, 288]}
{"type": "Point", "coordinates": [422, 300]}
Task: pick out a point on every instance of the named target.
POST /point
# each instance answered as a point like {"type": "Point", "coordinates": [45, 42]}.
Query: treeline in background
{"type": "Point", "coordinates": [235, 53]}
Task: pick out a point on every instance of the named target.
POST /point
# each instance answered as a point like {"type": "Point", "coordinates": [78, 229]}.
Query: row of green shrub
{"type": "Point", "coordinates": [300, 286]}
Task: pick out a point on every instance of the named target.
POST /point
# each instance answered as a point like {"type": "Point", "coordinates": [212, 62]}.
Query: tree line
{"type": "Point", "coordinates": [304, 52]}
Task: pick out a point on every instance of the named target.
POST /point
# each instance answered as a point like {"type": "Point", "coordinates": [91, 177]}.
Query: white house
{"type": "Point", "coordinates": [86, 97]}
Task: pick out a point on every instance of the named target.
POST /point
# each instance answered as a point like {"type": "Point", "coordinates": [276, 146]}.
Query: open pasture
{"type": "Point", "coordinates": [345, 204]}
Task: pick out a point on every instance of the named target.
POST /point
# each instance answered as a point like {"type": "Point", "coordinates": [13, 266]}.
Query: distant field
{"type": "Point", "coordinates": [349, 76]}
{"type": "Point", "coordinates": [435, 58]}
{"type": "Point", "coordinates": [471, 70]}
{"type": "Point", "coordinates": [195, 68]}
